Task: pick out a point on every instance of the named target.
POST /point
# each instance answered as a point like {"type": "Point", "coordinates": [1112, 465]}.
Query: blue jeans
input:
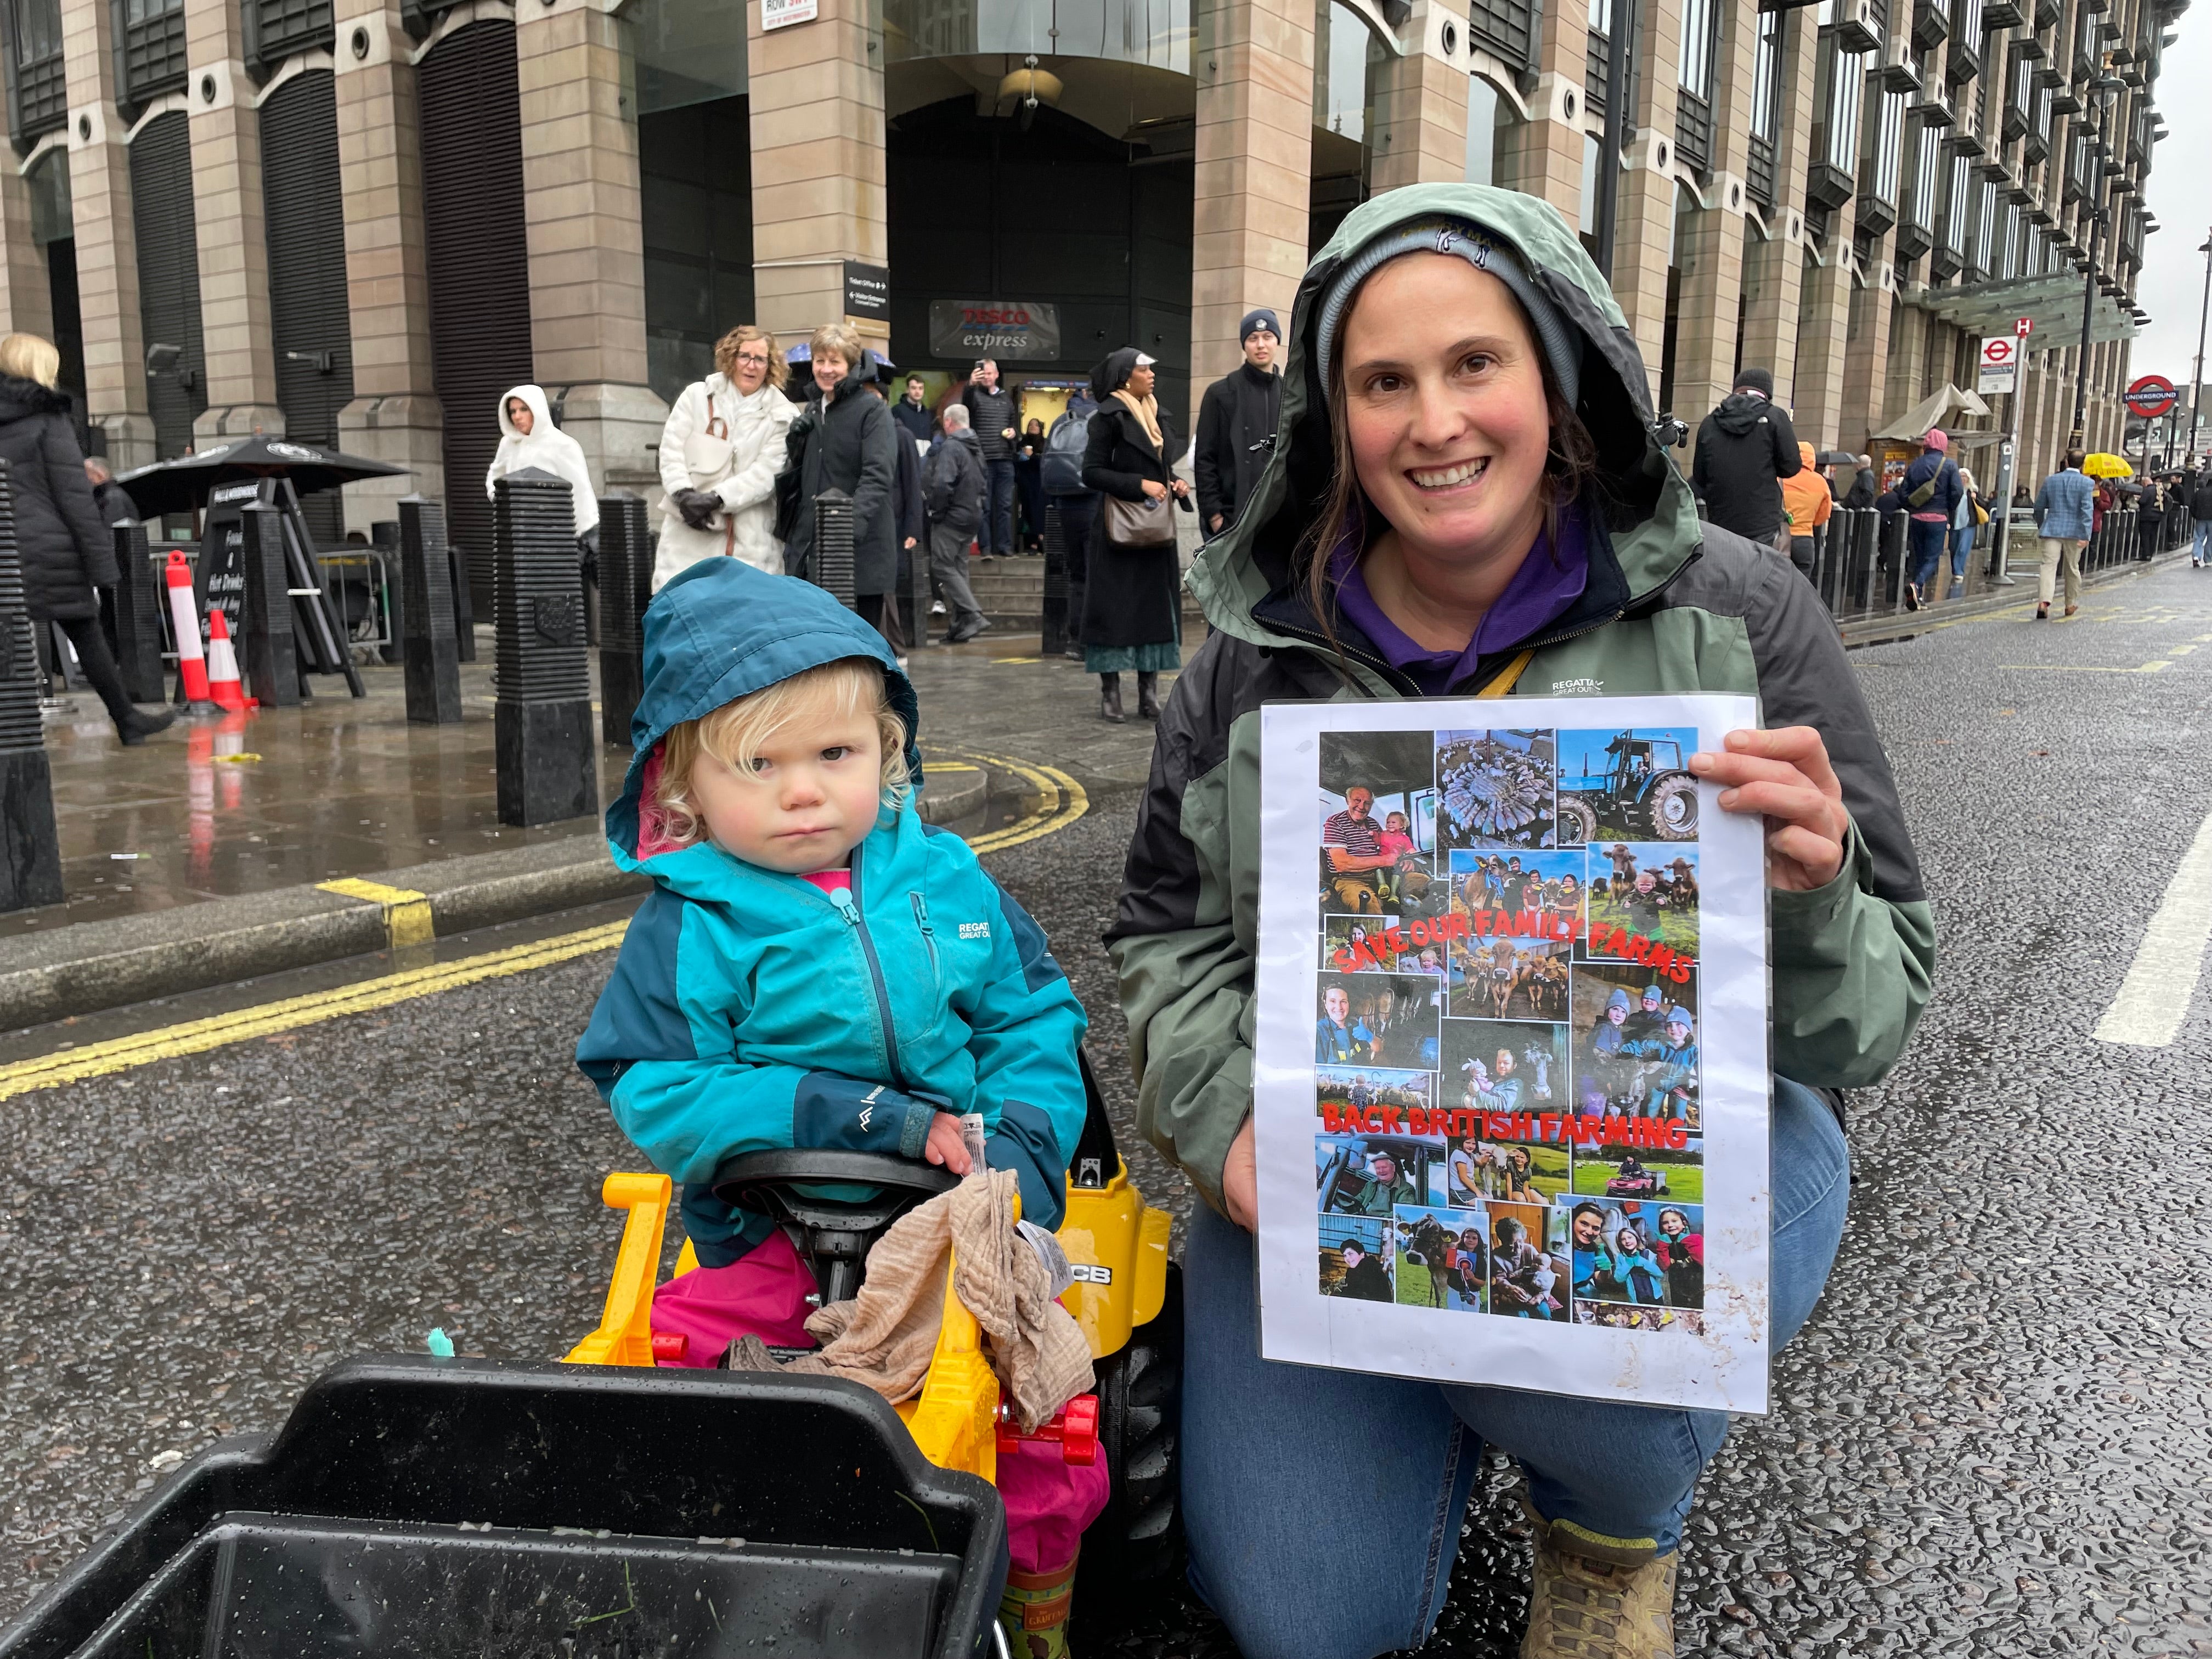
{"type": "Point", "coordinates": [997, 534]}
{"type": "Point", "coordinates": [2199, 552]}
{"type": "Point", "coordinates": [1323, 1507]}
{"type": "Point", "coordinates": [1962, 544]}
{"type": "Point", "coordinates": [1926, 542]}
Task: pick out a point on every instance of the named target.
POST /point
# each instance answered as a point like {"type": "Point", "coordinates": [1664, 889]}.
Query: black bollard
{"type": "Point", "coordinates": [625, 574]}
{"type": "Point", "coordinates": [830, 563]}
{"type": "Point", "coordinates": [138, 601]}
{"type": "Point", "coordinates": [1054, 640]}
{"type": "Point", "coordinates": [548, 761]}
{"type": "Point", "coordinates": [30, 845]}
{"type": "Point", "coordinates": [383, 538]}
{"type": "Point", "coordinates": [425, 584]}
{"type": "Point", "coordinates": [268, 651]}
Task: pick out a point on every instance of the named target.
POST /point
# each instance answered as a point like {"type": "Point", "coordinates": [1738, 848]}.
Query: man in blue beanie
{"type": "Point", "coordinates": [1236, 425]}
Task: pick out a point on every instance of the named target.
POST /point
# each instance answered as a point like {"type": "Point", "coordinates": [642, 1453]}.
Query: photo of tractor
{"type": "Point", "coordinates": [1632, 784]}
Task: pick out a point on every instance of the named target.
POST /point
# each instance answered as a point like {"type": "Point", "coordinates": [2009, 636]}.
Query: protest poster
{"type": "Point", "coordinates": [1511, 1077]}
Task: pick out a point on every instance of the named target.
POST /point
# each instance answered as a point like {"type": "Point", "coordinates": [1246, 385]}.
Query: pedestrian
{"type": "Point", "coordinates": [1061, 472]}
{"type": "Point", "coordinates": [2151, 517]}
{"type": "Point", "coordinates": [991, 416]}
{"type": "Point", "coordinates": [1807, 501]}
{"type": "Point", "coordinates": [754, 1003]}
{"type": "Point", "coordinates": [2064, 513]}
{"type": "Point", "coordinates": [913, 415]}
{"type": "Point", "coordinates": [529, 439]}
{"type": "Point", "coordinates": [909, 528]}
{"type": "Point", "coordinates": [719, 452]}
{"type": "Point", "coordinates": [1236, 425]}
{"type": "Point", "coordinates": [1029, 484]}
{"type": "Point", "coordinates": [846, 440]}
{"type": "Point", "coordinates": [1132, 607]}
{"type": "Point", "coordinates": [1972, 512]}
{"type": "Point", "coordinates": [1931, 490]}
{"type": "Point", "coordinates": [1861, 495]}
{"type": "Point", "coordinates": [1461, 531]}
{"type": "Point", "coordinates": [62, 540]}
{"type": "Point", "coordinates": [2200, 513]}
{"type": "Point", "coordinates": [1746, 447]}
{"type": "Point", "coordinates": [954, 491]}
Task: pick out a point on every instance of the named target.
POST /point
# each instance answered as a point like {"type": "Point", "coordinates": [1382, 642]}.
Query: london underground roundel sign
{"type": "Point", "coordinates": [2150, 396]}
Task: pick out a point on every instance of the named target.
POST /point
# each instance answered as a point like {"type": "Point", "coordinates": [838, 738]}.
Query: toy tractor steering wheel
{"type": "Point", "coordinates": [832, 1230]}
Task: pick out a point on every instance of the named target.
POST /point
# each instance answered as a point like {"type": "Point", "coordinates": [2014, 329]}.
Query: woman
{"type": "Point", "coordinates": [60, 537]}
{"type": "Point", "coordinates": [847, 440]}
{"type": "Point", "coordinates": [1467, 497]}
{"type": "Point", "coordinates": [1029, 483]}
{"type": "Point", "coordinates": [1132, 605]}
{"type": "Point", "coordinates": [1972, 506]}
{"type": "Point", "coordinates": [528, 438]}
{"type": "Point", "coordinates": [1807, 500]}
{"type": "Point", "coordinates": [720, 454]}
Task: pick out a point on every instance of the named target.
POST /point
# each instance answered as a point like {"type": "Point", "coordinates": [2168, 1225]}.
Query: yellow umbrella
{"type": "Point", "coordinates": [2101, 466]}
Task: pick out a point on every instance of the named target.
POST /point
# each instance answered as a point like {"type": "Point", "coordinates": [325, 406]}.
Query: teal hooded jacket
{"type": "Point", "coordinates": [750, 1009]}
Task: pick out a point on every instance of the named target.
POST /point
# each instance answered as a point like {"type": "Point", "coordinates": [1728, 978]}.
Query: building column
{"type": "Point", "coordinates": [1774, 269]}
{"type": "Point", "coordinates": [817, 168]}
{"type": "Point", "coordinates": [1253, 175]}
{"type": "Point", "coordinates": [1711, 256]}
{"type": "Point", "coordinates": [1643, 232]}
{"type": "Point", "coordinates": [1816, 392]}
{"type": "Point", "coordinates": [395, 414]}
{"type": "Point", "coordinates": [1418, 131]}
{"type": "Point", "coordinates": [1547, 151]}
{"type": "Point", "coordinates": [237, 330]}
{"type": "Point", "coordinates": [1866, 357]}
{"type": "Point", "coordinates": [106, 240]}
{"type": "Point", "coordinates": [581, 210]}
{"type": "Point", "coordinates": [1908, 357]}
{"type": "Point", "coordinates": [27, 295]}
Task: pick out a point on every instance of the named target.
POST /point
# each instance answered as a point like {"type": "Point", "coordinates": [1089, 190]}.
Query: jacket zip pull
{"type": "Point", "coordinates": [928, 933]}
{"type": "Point", "coordinates": [842, 898]}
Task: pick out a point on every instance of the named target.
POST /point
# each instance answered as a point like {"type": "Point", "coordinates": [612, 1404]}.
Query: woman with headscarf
{"type": "Point", "coordinates": [720, 454]}
{"type": "Point", "coordinates": [1132, 605]}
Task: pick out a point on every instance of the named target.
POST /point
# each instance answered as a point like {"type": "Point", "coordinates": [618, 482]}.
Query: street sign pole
{"type": "Point", "coordinates": [2007, 460]}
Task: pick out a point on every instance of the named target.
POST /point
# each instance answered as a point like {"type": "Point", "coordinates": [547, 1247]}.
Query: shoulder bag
{"type": "Point", "coordinates": [1133, 524]}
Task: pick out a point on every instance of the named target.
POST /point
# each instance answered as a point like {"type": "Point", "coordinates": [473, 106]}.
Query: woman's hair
{"type": "Point", "coordinates": [1036, 425]}
{"type": "Point", "coordinates": [1569, 465]}
{"type": "Point", "coordinates": [737, 731]}
{"type": "Point", "coordinates": [835, 337]}
{"type": "Point", "coordinates": [28, 357]}
{"type": "Point", "coordinates": [726, 354]}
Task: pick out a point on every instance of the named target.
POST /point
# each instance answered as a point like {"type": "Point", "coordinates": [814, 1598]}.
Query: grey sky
{"type": "Point", "coordinates": [2180, 197]}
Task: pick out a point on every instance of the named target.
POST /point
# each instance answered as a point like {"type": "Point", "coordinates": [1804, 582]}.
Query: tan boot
{"type": "Point", "coordinates": [1595, 1597]}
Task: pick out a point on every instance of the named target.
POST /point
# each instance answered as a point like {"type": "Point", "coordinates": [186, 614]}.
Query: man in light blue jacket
{"type": "Point", "coordinates": [2064, 507]}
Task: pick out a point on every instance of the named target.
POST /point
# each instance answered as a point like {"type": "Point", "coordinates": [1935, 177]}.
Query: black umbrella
{"type": "Point", "coordinates": [181, 485]}
{"type": "Point", "coordinates": [1835, 458]}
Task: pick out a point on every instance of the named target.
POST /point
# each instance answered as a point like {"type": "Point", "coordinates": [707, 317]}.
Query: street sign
{"type": "Point", "coordinates": [2149, 396]}
{"type": "Point", "coordinates": [2023, 326]}
{"type": "Point", "coordinates": [782, 14]}
{"type": "Point", "coordinates": [2000, 364]}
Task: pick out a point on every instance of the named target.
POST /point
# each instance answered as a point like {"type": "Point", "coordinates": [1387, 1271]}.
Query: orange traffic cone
{"type": "Point", "coordinates": [192, 662]}
{"type": "Point", "coordinates": [222, 665]}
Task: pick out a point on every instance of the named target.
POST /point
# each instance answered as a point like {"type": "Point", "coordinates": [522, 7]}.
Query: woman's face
{"type": "Point", "coordinates": [1140, 381]}
{"type": "Point", "coordinates": [751, 366]}
{"type": "Point", "coordinates": [1037, 429]}
{"type": "Point", "coordinates": [829, 368]}
{"type": "Point", "coordinates": [1443, 391]}
{"type": "Point", "coordinates": [518, 415]}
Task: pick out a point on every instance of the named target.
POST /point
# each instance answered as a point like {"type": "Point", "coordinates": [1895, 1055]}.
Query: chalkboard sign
{"type": "Point", "coordinates": [220, 576]}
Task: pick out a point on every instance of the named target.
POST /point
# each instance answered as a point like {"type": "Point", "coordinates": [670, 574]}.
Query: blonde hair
{"type": "Point", "coordinates": [835, 337]}
{"type": "Point", "coordinates": [737, 731]}
{"type": "Point", "coordinates": [725, 353]}
{"type": "Point", "coordinates": [28, 357]}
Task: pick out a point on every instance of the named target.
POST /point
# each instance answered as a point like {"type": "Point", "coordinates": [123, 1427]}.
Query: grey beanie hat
{"type": "Point", "coordinates": [1483, 249]}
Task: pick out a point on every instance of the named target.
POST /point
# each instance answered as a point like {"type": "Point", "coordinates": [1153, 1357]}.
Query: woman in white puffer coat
{"type": "Point", "coordinates": [720, 454]}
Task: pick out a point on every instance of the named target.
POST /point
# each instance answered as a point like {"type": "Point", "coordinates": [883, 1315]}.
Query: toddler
{"type": "Point", "coordinates": [815, 967]}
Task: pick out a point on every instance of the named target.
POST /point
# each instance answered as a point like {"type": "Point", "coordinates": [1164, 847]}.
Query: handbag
{"type": "Point", "coordinates": [1134, 525]}
{"type": "Point", "coordinates": [707, 451]}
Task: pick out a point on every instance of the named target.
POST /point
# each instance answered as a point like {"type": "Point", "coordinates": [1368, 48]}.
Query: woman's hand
{"type": "Point", "coordinates": [946, 1145]}
{"type": "Point", "coordinates": [1240, 1181]}
{"type": "Point", "coordinates": [1180, 487]}
{"type": "Point", "coordinates": [1783, 777]}
{"type": "Point", "coordinates": [1154, 489]}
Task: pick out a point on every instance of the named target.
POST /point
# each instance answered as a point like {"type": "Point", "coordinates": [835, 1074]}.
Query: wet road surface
{"type": "Point", "coordinates": [1992, 1438]}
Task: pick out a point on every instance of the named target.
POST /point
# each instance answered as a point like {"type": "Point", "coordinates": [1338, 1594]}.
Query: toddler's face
{"type": "Point", "coordinates": [812, 798]}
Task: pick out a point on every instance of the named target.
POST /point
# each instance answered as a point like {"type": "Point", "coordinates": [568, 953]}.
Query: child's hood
{"type": "Point", "coordinates": [722, 630]}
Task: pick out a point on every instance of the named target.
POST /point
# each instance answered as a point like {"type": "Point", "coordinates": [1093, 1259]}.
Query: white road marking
{"type": "Point", "coordinates": [2155, 997]}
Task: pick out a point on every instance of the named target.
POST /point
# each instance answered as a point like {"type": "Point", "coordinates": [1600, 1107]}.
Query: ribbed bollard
{"type": "Point", "coordinates": [30, 845]}
{"type": "Point", "coordinates": [428, 648]}
{"type": "Point", "coordinates": [268, 650]}
{"type": "Point", "coordinates": [138, 605]}
{"type": "Point", "coordinates": [625, 572]}
{"type": "Point", "coordinates": [1055, 631]}
{"type": "Point", "coordinates": [548, 759]}
{"type": "Point", "coordinates": [830, 565]}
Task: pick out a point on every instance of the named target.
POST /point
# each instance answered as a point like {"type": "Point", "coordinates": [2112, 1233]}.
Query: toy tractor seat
{"type": "Point", "coordinates": [834, 1205]}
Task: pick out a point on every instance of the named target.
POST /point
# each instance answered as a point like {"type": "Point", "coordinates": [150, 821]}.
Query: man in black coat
{"type": "Point", "coordinates": [912, 414]}
{"type": "Point", "coordinates": [991, 417]}
{"type": "Point", "coordinates": [1861, 494]}
{"type": "Point", "coordinates": [954, 490]}
{"type": "Point", "coordinates": [1236, 426]}
{"type": "Point", "coordinates": [2200, 512]}
{"type": "Point", "coordinates": [1746, 447]}
{"type": "Point", "coordinates": [909, 530]}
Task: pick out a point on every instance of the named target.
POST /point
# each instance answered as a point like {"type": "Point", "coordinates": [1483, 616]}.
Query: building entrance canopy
{"type": "Point", "coordinates": [2053, 302]}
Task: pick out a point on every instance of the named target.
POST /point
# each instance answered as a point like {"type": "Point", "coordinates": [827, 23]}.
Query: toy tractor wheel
{"type": "Point", "coordinates": [1577, 824]}
{"type": "Point", "coordinates": [1672, 808]}
{"type": "Point", "coordinates": [1139, 1538]}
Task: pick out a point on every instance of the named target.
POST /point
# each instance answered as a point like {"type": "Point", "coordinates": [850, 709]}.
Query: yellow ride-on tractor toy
{"type": "Point", "coordinates": [1126, 1298]}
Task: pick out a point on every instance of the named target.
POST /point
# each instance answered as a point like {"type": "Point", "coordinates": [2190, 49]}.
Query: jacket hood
{"type": "Point", "coordinates": [721, 630]}
{"type": "Point", "coordinates": [1739, 412]}
{"type": "Point", "coordinates": [20, 396]}
{"type": "Point", "coordinates": [1648, 517]}
{"type": "Point", "coordinates": [541, 415]}
{"type": "Point", "coordinates": [1805, 456]}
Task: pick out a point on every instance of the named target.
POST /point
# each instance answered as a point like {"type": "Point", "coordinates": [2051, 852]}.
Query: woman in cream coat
{"type": "Point", "coordinates": [720, 454]}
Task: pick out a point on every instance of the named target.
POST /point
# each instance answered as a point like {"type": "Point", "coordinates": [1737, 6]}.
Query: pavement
{"type": "Point", "coordinates": [1993, 1439]}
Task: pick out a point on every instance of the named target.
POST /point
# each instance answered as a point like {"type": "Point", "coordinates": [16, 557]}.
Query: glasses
{"type": "Point", "coordinates": [760, 357]}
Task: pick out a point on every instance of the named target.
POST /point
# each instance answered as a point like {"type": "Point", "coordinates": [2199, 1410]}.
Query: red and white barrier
{"type": "Point", "coordinates": [222, 665]}
{"type": "Point", "coordinates": [191, 661]}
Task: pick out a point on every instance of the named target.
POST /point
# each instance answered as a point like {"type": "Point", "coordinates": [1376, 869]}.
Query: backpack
{"type": "Point", "coordinates": [1062, 462]}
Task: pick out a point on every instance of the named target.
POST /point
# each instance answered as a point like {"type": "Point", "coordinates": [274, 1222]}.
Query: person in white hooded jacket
{"type": "Point", "coordinates": [529, 438]}
{"type": "Point", "coordinates": [720, 454]}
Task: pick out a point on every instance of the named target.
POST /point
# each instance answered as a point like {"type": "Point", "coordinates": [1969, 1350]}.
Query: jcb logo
{"type": "Point", "coordinates": [1087, 1274]}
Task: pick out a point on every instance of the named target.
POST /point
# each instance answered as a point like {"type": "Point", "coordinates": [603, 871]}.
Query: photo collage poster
{"type": "Point", "coordinates": [1511, 1076]}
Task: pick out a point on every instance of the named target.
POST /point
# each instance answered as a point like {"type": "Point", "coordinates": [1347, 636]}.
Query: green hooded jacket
{"type": "Point", "coordinates": [1671, 605]}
